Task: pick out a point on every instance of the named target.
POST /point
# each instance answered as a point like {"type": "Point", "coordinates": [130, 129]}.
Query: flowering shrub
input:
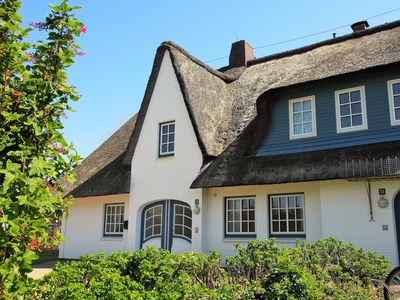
{"type": "Point", "coordinates": [34, 156]}
{"type": "Point", "coordinates": [326, 269]}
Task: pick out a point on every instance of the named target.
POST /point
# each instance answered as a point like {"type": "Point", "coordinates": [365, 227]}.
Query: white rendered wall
{"type": "Point", "coordinates": [214, 216]}
{"type": "Point", "coordinates": [83, 230]}
{"type": "Point", "coordinates": [345, 215]}
{"type": "Point", "coordinates": [155, 178]}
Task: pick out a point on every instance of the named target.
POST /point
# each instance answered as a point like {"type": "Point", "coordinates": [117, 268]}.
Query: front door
{"type": "Point", "coordinates": [167, 224]}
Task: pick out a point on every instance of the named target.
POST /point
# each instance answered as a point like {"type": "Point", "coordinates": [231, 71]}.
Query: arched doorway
{"type": "Point", "coordinates": [167, 224]}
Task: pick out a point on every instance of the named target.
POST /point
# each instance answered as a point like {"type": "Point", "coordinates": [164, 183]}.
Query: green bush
{"type": "Point", "coordinates": [325, 269]}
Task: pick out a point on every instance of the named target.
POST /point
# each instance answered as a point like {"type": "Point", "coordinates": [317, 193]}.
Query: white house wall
{"type": "Point", "coordinates": [83, 230]}
{"type": "Point", "coordinates": [345, 215]}
{"type": "Point", "coordinates": [167, 178]}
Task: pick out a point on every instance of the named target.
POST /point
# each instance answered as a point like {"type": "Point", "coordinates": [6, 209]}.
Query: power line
{"type": "Point", "coordinates": [306, 36]}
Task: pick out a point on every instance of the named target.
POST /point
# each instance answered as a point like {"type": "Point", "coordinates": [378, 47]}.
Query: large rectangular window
{"type": "Point", "coordinates": [240, 216]}
{"type": "Point", "coordinates": [287, 214]}
{"type": "Point", "coordinates": [351, 111]}
{"type": "Point", "coordinates": [167, 139]}
{"type": "Point", "coordinates": [302, 120]}
{"type": "Point", "coordinates": [114, 219]}
{"type": "Point", "coordinates": [394, 101]}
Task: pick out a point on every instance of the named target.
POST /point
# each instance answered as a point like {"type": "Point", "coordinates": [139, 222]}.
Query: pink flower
{"type": "Point", "coordinates": [83, 28]}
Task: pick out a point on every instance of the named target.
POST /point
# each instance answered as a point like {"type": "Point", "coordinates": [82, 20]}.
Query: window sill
{"type": "Point", "coordinates": [239, 238]}
{"type": "Point", "coordinates": [112, 238]}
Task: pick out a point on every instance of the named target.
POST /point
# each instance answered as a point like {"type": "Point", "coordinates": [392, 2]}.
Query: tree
{"type": "Point", "coordinates": [34, 156]}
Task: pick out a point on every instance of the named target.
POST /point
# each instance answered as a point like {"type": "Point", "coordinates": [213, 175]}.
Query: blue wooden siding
{"type": "Point", "coordinates": [276, 140]}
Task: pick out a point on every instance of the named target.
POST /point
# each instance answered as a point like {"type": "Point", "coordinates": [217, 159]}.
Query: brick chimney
{"type": "Point", "coordinates": [241, 53]}
{"type": "Point", "coordinates": [359, 26]}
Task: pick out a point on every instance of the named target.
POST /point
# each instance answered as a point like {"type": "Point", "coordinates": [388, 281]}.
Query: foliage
{"type": "Point", "coordinates": [34, 156]}
{"type": "Point", "coordinates": [325, 269]}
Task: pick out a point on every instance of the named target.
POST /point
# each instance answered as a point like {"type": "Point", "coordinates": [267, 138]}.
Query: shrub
{"type": "Point", "coordinates": [325, 269]}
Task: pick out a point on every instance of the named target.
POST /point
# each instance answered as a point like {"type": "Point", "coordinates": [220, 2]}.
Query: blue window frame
{"type": "Point", "coordinates": [166, 139]}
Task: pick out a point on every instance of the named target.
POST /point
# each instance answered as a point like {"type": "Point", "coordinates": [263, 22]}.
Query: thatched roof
{"type": "Point", "coordinates": [222, 103]}
{"type": "Point", "coordinates": [102, 172]}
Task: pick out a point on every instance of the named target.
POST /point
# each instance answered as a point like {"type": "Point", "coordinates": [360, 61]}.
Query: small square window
{"type": "Point", "coordinates": [240, 216]}
{"type": "Point", "coordinates": [114, 219]}
{"type": "Point", "coordinates": [167, 139]}
{"type": "Point", "coordinates": [287, 214]}
{"type": "Point", "coordinates": [394, 101]}
{"type": "Point", "coordinates": [351, 111]}
{"type": "Point", "coordinates": [302, 121]}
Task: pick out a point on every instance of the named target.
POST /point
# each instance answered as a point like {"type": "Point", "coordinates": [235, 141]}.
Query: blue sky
{"type": "Point", "coordinates": [123, 36]}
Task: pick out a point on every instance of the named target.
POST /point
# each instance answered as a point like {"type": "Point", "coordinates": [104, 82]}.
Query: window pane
{"type": "Point", "coordinates": [245, 204]}
{"type": "Point", "coordinates": [171, 147]}
{"type": "Point", "coordinates": [157, 220]}
{"type": "Point", "coordinates": [307, 105]}
{"type": "Point", "coordinates": [149, 222]}
{"type": "Point", "coordinates": [307, 116]}
{"type": "Point", "coordinates": [164, 148]}
{"type": "Point", "coordinates": [357, 120]}
{"type": "Point", "coordinates": [355, 96]}
{"type": "Point", "coordinates": [299, 213]}
{"type": "Point", "coordinates": [171, 137]}
{"type": "Point", "coordinates": [275, 214]}
{"type": "Point", "coordinates": [179, 209]}
{"type": "Point", "coordinates": [188, 232]}
{"type": "Point", "coordinates": [230, 227]}
{"type": "Point", "coordinates": [172, 128]}
{"type": "Point", "coordinates": [252, 203]}
{"type": "Point", "coordinates": [252, 215]}
{"type": "Point", "coordinates": [178, 220]}
{"type": "Point", "coordinates": [178, 230]}
{"type": "Point", "coordinates": [299, 201]}
{"type": "Point", "coordinates": [356, 108]}
{"type": "Point", "coordinates": [164, 138]}
{"type": "Point", "coordinates": [292, 226]}
{"type": "Point", "coordinates": [292, 214]}
{"type": "Point", "coordinates": [244, 215]}
{"type": "Point", "coordinates": [237, 226]}
{"type": "Point", "coordinates": [157, 229]}
{"type": "Point", "coordinates": [344, 110]}
{"type": "Point", "coordinates": [396, 101]}
{"type": "Point", "coordinates": [275, 202]}
{"type": "Point", "coordinates": [297, 118]}
{"type": "Point", "coordinates": [164, 128]}
{"type": "Point", "coordinates": [307, 128]}
{"type": "Point", "coordinates": [292, 202]}
{"type": "Point", "coordinates": [230, 215]}
{"type": "Point", "coordinates": [230, 204]}
{"type": "Point", "coordinates": [157, 210]}
{"type": "Point", "coordinates": [282, 202]}
{"type": "Point", "coordinates": [283, 226]}
{"type": "Point", "coordinates": [188, 222]}
{"type": "Point", "coordinates": [344, 98]}
{"type": "Point", "coordinates": [396, 88]}
{"type": "Point", "coordinates": [237, 215]}
{"type": "Point", "coordinates": [397, 113]}
{"type": "Point", "coordinates": [244, 227]}
{"type": "Point", "coordinates": [252, 226]}
{"type": "Point", "coordinates": [148, 233]}
{"type": "Point", "coordinates": [282, 214]}
{"type": "Point", "coordinates": [275, 226]}
{"type": "Point", "coordinates": [108, 228]}
{"type": "Point", "coordinates": [237, 204]}
{"type": "Point", "coordinates": [300, 226]}
{"type": "Point", "coordinates": [296, 106]}
{"type": "Point", "coordinates": [345, 122]}
{"type": "Point", "coordinates": [298, 129]}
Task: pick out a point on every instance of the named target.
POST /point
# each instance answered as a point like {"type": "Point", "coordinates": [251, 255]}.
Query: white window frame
{"type": "Point", "coordinates": [390, 84]}
{"type": "Point", "coordinates": [294, 136]}
{"type": "Point", "coordinates": [160, 135]}
{"type": "Point", "coordinates": [364, 126]}
{"type": "Point", "coordinates": [240, 233]}
{"type": "Point", "coordinates": [287, 232]}
{"type": "Point", "coordinates": [106, 214]}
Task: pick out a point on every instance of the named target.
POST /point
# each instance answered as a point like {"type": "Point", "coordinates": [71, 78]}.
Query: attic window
{"type": "Point", "coordinates": [302, 119]}
{"type": "Point", "coordinates": [351, 111]}
{"type": "Point", "coordinates": [394, 101]}
{"type": "Point", "coordinates": [166, 139]}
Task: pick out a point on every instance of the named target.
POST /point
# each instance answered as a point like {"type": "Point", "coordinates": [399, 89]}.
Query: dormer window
{"type": "Point", "coordinates": [167, 139]}
{"type": "Point", "coordinates": [351, 111]}
{"type": "Point", "coordinates": [394, 101]}
{"type": "Point", "coordinates": [302, 121]}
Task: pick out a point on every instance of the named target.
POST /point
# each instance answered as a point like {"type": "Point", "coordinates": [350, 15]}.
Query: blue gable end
{"type": "Point", "coordinates": [277, 141]}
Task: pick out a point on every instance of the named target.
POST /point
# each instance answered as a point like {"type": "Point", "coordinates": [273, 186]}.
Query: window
{"type": "Point", "coordinates": [152, 221]}
{"type": "Point", "coordinates": [182, 221]}
{"type": "Point", "coordinates": [167, 139]}
{"type": "Point", "coordinates": [287, 214]}
{"type": "Point", "coordinates": [394, 101]}
{"type": "Point", "coordinates": [302, 121]}
{"type": "Point", "coordinates": [240, 216]}
{"type": "Point", "coordinates": [114, 219]}
{"type": "Point", "coordinates": [351, 111]}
